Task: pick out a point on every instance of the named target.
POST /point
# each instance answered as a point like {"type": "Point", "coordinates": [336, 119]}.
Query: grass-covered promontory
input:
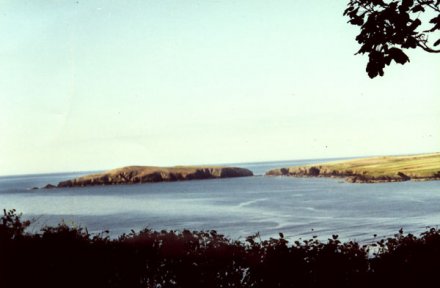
{"type": "Point", "coordinates": [372, 170]}
{"type": "Point", "coordinates": [145, 174]}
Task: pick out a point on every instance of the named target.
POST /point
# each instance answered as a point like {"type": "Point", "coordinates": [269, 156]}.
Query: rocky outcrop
{"type": "Point", "coordinates": [419, 167]}
{"type": "Point", "coordinates": [49, 186]}
{"type": "Point", "coordinates": [379, 179]}
{"type": "Point", "coordinates": [147, 174]}
{"type": "Point", "coordinates": [350, 176]}
{"type": "Point", "coordinates": [309, 171]}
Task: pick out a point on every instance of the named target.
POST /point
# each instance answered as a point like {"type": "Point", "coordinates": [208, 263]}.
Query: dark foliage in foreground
{"type": "Point", "coordinates": [70, 257]}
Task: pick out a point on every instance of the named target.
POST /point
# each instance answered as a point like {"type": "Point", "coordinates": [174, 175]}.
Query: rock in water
{"type": "Point", "coordinates": [49, 186]}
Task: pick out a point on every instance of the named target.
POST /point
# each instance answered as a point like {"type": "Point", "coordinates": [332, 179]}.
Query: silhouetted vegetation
{"type": "Point", "coordinates": [387, 27]}
{"type": "Point", "coordinates": [63, 256]}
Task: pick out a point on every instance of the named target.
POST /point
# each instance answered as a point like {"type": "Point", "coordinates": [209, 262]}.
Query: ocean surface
{"type": "Point", "coordinates": [236, 207]}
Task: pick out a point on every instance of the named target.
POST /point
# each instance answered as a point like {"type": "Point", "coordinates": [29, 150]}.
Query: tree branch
{"type": "Point", "coordinates": [429, 4]}
{"type": "Point", "coordinates": [427, 49]}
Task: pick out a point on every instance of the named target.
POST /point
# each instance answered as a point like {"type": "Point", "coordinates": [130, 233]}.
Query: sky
{"type": "Point", "coordinates": [95, 85]}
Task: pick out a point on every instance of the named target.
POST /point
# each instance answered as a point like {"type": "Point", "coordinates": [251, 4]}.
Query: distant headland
{"type": "Point", "coordinates": [147, 174]}
{"type": "Point", "coordinates": [421, 167]}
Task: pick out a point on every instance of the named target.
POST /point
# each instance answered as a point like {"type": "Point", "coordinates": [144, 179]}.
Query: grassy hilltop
{"type": "Point", "coordinates": [373, 169]}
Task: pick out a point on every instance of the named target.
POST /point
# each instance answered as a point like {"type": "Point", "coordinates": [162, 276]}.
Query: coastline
{"type": "Point", "coordinates": [150, 174]}
{"type": "Point", "coordinates": [423, 167]}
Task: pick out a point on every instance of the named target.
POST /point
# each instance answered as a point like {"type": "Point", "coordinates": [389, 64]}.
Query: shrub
{"type": "Point", "coordinates": [63, 256]}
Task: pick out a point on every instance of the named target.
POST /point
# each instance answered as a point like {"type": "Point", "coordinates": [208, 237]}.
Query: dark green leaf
{"type": "Point", "coordinates": [416, 23]}
{"type": "Point", "coordinates": [388, 60]}
{"type": "Point", "coordinates": [407, 3]}
{"type": "Point", "coordinates": [393, 5]}
{"type": "Point", "coordinates": [436, 26]}
{"type": "Point", "coordinates": [418, 8]}
{"type": "Point", "coordinates": [348, 10]}
{"type": "Point", "coordinates": [357, 21]}
{"type": "Point", "coordinates": [353, 13]}
{"type": "Point", "coordinates": [398, 55]}
{"type": "Point", "coordinates": [372, 70]}
{"type": "Point", "coordinates": [435, 20]}
{"type": "Point", "coordinates": [410, 42]}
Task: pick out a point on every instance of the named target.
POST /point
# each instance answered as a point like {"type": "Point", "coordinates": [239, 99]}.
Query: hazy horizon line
{"type": "Point", "coordinates": [214, 164]}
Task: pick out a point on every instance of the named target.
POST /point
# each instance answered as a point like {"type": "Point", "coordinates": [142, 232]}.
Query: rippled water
{"type": "Point", "coordinates": [237, 207]}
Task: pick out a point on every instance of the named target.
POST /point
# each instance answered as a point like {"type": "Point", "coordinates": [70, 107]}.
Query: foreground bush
{"type": "Point", "coordinates": [63, 256]}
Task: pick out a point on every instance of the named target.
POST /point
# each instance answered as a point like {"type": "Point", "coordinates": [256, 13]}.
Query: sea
{"type": "Point", "coordinates": [300, 208]}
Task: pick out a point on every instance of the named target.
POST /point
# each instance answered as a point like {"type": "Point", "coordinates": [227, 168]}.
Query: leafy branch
{"type": "Point", "coordinates": [388, 27]}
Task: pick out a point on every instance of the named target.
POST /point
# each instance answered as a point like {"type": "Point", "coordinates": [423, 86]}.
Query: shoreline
{"type": "Point", "coordinates": [149, 174]}
{"type": "Point", "coordinates": [424, 167]}
{"type": "Point", "coordinates": [358, 178]}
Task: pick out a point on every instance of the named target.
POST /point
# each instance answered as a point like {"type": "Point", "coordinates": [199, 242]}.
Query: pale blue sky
{"type": "Point", "coordinates": [90, 85]}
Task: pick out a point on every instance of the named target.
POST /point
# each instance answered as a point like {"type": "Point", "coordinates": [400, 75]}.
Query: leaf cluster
{"type": "Point", "coordinates": [389, 27]}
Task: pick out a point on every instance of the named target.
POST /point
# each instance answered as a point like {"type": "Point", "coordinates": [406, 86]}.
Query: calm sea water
{"type": "Point", "coordinates": [236, 207]}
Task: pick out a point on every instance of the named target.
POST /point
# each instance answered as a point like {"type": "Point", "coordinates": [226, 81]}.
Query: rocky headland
{"type": "Point", "coordinates": [148, 174]}
{"type": "Point", "coordinates": [421, 167]}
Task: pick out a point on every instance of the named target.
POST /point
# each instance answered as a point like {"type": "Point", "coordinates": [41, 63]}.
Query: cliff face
{"type": "Point", "coordinates": [350, 176]}
{"type": "Point", "coordinates": [371, 170]}
{"type": "Point", "coordinates": [145, 174]}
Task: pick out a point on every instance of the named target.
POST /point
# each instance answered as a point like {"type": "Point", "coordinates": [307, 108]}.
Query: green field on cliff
{"type": "Point", "coordinates": [415, 166]}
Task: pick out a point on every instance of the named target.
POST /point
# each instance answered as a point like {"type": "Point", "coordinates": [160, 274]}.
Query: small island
{"type": "Point", "coordinates": [421, 167]}
{"type": "Point", "coordinates": [148, 174]}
